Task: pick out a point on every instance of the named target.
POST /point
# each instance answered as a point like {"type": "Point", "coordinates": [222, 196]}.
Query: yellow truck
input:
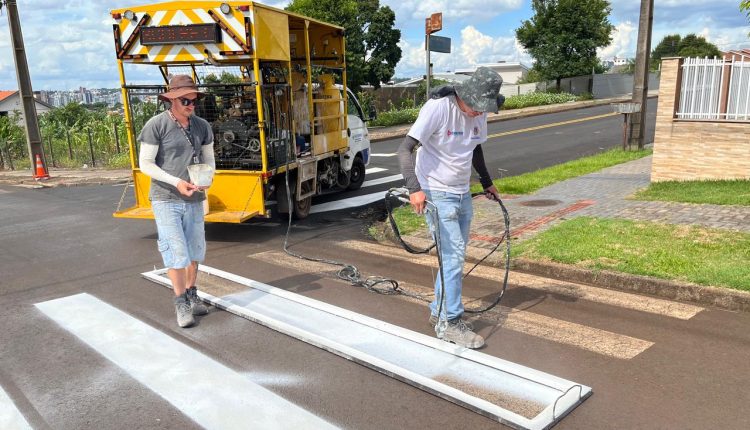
{"type": "Point", "coordinates": [276, 98]}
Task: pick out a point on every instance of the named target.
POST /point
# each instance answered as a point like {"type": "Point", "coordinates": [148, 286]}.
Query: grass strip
{"type": "Point", "coordinates": [682, 253]}
{"type": "Point", "coordinates": [728, 192]}
{"type": "Point", "coordinates": [533, 181]}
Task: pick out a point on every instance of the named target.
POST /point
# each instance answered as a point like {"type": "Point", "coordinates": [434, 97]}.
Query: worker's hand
{"type": "Point", "coordinates": [417, 200]}
{"type": "Point", "coordinates": [186, 188]}
{"type": "Point", "coordinates": [492, 193]}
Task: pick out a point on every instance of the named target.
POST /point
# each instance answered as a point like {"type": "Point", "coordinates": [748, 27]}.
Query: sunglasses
{"type": "Point", "coordinates": [187, 102]}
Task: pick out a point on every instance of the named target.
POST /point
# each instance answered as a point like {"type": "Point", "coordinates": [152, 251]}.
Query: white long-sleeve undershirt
{"type": "Point", "coordinates": [147, 162]}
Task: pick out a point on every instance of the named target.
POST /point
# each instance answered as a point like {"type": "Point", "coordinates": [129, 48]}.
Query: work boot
{"type": "Point", "coordinates": [459, 333]}
{"type": "Point", "coordinates": [196, 305]}
{"type": "Point", "coordinates": [434, 320]}
{"type": "Point", "coordinates": [183, 310]}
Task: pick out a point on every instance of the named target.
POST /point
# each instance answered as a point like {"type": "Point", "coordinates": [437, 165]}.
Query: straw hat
{"type": "Point", "coordinates": [180, 86]}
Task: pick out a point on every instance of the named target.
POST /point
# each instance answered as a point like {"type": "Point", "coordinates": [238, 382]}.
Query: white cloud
{"type": "Point", "coordinates": [623, 41]}
{"type": "Point", "coordinates": [474, 47]}
{"type": "Point", "coordinates": [453, 10]}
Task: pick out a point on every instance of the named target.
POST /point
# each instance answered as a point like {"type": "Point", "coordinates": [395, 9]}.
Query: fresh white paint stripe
{"type": "Point", "coordinates": [387, 179]}
{"type": "Point", "coordinates": [564, 332]}
{"type": "Point", "coordinates": [373, 170]}
{"type": "Point", "coordinates": [392, 154]}
{"type": "Point", "coordinates": [208, 392]}
{"type": "Point", "coordinates": [10, 416]}
{"type": "Point", "coordinates": [578, 291]}
{"type": "Point", "coordinates": [348, 203]}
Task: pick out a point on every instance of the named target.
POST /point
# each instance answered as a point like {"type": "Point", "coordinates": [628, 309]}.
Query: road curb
{"type": "Point", "coordinates": [723, 298]}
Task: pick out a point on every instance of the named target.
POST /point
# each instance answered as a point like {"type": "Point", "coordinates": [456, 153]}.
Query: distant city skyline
{"type": "Point", "coordinates": [69, 44]}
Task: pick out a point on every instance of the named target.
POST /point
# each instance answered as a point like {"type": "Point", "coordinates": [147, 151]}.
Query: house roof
{"type": "Point", "coordinates": [5, 94]}
{"type": "Point", "coordinates": [738, 54]}
{"type": "Point", "coordinates": [450, 77]}
{"type": "Point", "coordinates": [500, 66]}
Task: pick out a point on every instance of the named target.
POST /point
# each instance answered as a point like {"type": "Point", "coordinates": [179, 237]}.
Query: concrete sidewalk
{"type": "Point", "coordinates": [66, 177]}
{"type": "Point", "coordinates": [602, 194]}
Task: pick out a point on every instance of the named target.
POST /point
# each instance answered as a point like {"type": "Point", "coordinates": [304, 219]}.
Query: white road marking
{"type": "Point", "coordinates": [385, 180]}
{"type": "Point", "coordinates": [213, 395]}
{"type": "Point", "coordinates": [10, 416]}
{"type": "Point", "coordinates": [579, 291]}
{"type": "Point", "coordinates": [371, 170]}
{"type": "Point", "coordinates": [348, 203]}
{"type": "Point", "coordinates": [567, 333]}
{"type": "Point", "coordinates": [392, 154]}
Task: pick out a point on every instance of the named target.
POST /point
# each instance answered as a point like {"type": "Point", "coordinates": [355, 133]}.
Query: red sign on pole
{"type": "Point", "coordinates": [433, 23]}
{"type": "Point", "coordinates": [436, 22]}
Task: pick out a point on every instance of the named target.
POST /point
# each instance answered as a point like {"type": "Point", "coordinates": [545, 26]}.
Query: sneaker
{"type": "Point", "coordinates": [183, 310]}
{"type": "Point", "coordinates": [196, 304]}
{"type": "Point", "coordinates": [459, 333]}
{"type": "Point", "coordinates": [434, 320]}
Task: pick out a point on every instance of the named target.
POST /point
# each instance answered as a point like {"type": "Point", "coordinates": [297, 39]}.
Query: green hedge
{"type": "Point", "coordinates": [408, 116]}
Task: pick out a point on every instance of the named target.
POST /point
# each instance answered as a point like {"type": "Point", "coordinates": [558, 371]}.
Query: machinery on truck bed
{"type": "Point", "coordinates": [276, 98]}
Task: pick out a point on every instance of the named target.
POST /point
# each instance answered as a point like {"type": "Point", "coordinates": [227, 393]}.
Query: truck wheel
{"type": "Point", "coordinates": [357, 175]}
{"type": "Point", "coordinates": [302, 207]}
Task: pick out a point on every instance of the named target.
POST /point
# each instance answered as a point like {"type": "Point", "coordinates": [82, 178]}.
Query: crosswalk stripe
{"type": "Point", "coordinates": [392, 154]}
{"type": "Point", "coordinates": [552, 329]}
{"type": "Point", "coordinates": [385, 180]}
{"type": "Point", "coordinates": [213, 395]}
{"type": "Point", "coordinates": [10, 416]}
{"type": "Point", "coordinates": [373, 170]}
{"type": "Point", "coordinates": [352, 202]}
{"type": "Point", "coordinates": [584, 292]}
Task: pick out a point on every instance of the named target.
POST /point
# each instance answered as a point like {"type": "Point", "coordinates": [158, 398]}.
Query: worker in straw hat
{"type": "Point", "coordinates": [169, 143]}
{"type": "Point", "coordinates": [449, 131]}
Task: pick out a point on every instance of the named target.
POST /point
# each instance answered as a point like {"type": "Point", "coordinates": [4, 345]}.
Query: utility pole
{"type": "Point", "coordinates": [33, 136]}
{"type": "Point", "coordinates": [640, 77]}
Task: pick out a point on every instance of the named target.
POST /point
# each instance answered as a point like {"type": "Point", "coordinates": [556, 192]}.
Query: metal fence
{"type": "Point", "coordinates": [715, 89]}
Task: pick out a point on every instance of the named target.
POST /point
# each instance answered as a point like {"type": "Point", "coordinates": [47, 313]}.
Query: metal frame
{"type": "Point", "coordinates": [265, 305]}
{"type": "Point", "coordinates": [714, 89]}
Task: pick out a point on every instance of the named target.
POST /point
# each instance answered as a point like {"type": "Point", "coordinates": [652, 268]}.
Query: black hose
{"type": "Point", "coordinates": [505, 237]}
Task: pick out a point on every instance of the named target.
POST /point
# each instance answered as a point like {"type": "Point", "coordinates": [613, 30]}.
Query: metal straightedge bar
{"type": "Point", "coordinates": [512, 394]}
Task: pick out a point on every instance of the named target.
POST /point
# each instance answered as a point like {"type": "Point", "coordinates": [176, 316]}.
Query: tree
{"type": "Point", "coordinates": [563, 36]}
{"type": "Point", "coordinates": [371, 41]}
{"type": "Point", "coordinates": [668, 47]}
{"type": "Point", "coordinates": [745, 7]}
{"type": "Point", "coordinates": [12, 137]}
{"type": "Point", "coordinates": [689, 46]}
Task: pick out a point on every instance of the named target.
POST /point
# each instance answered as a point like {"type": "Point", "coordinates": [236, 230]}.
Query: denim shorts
{"type": "Point", "coordinates": [182, 237]}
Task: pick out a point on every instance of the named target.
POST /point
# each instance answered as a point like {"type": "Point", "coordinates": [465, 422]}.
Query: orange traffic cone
{"type": "Point", "coordinates": [41, 170]}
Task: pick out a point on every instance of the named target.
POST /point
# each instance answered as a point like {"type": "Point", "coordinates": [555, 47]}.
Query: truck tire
{"type": "Point", "coordinates": [301, 209]}
{"type": "Point", "coordinates": [357, 174]}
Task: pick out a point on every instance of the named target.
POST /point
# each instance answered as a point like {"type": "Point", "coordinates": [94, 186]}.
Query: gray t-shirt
{"type": "Point", "coordinates": [175, 152]}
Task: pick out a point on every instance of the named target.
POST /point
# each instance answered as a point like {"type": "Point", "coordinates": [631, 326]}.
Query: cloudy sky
{"type": "Point", "coordinates": [69, 43]}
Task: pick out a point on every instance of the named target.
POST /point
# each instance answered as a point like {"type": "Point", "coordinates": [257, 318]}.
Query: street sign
{"type": "Point", "coordinates": [436, 22]}
{"type": "Point", "coordinates": [440, 44]}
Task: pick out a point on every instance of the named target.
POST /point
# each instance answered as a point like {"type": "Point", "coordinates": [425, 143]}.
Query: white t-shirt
{"type": "Point", "coordinates": [448, 137]}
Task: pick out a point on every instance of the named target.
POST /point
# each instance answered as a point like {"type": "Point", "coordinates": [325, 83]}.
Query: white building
{"type": "Point", "coordinates": [10, 102]}
{"type": "Point", "coordinates": [511, 72]}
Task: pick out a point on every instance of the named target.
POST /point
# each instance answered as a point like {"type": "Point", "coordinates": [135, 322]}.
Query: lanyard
{"type": "Point", "coordinates": [196, 157]}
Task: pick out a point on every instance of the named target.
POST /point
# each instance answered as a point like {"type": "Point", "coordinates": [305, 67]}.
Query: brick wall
{"type": "Point", "coordinates": [694, 150]}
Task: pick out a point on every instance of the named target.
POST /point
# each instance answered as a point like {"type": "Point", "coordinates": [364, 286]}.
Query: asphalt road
{"type": "Point", "coordinates": [651, 364]}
